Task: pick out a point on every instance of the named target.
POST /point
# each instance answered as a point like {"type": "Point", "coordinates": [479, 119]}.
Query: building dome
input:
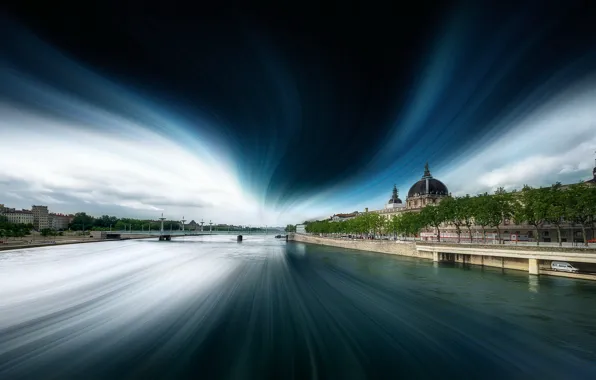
{"type": "Point", "coordinates": [428, 185]}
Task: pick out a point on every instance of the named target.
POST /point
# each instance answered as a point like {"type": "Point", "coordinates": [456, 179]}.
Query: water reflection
{"type": "Point", "coordinates": [533, 283]}
{"type": "Point", "coordinates": [209, 307]}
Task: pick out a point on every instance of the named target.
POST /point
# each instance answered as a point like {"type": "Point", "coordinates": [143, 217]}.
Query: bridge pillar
{"type": "Point", "coordinates": [533, 266]}
{"type": "Point", "coordinates": [435, 256]}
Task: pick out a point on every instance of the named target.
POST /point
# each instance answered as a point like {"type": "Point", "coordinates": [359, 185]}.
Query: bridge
{"type": "Point", "coordinates": [168, 235]}
{"type": "Point", "coordinates": [163, 234]}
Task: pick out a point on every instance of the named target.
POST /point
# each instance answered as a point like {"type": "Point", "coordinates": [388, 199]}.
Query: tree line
{"type": "Point", "coordinates": [13, 230]}
{"type": "Point", "coordinates": [536, 207]}
{"type": "Point", "coordinates": [84, 222]}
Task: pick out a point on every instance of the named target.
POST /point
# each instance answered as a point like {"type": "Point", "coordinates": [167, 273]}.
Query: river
{"type": "Point", "coordinates": [211, 308]}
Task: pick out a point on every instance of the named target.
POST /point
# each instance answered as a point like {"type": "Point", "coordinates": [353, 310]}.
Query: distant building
{"type": "Point", "coordinates": [59, 221]}
{"type": "Point", "coordinates": [18, 216]}
{"type": "Point", "coordinates": [342, 217]}
{"type": "Point", "coordinates": [428, 190]}
{"type": "Point", "coordinates": [192, 226]}
{"type": "Point", "coordinates": [301, 228]}
{"type": "Point", "coordinates": [41, 218]}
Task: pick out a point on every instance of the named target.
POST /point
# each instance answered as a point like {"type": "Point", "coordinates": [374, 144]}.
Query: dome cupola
{"type": "Point", "coordinates": [394, 202]}
{"type": "Point", "coordinates": [428, 186]}
{"type": "Point", "coordinates": [394, 197]}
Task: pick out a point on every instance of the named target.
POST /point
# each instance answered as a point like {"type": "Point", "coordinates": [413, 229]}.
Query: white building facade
{"type": "Point", "coordinates": [18, 216]}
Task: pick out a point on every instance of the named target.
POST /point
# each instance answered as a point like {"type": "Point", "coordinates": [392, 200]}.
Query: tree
{"type": "Point", "coordinates": [499, 208]}
{"type": "Point", "coordinates": [433, 215]}
{"type": "Point", "coordinates": [394, 225]}
{"type": "Point", "coordinates": [481, 212]}
{"type": "Point", "coordinates": [105, 221]}
{"type": "Point", "coordinates": [81, 221]}
{"type": "Point", "coordinates": [466, 209]}
{"type": "Point", "coordinates": [581, 206]}
{"type": "Point", "coordinates": [453, 212]}
{"type": "Point", "coordinates": [531, 207]}
{"type": "Point", "coordinates": [376, 222]}
{"type": "Point", "coordinates": [411, 223]}
{"type": "Point", "coordinates": [556, 207]}
{"type": "Point", "coordinates": [290, 228]}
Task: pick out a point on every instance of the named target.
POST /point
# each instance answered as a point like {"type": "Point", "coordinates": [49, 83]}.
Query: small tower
{"type": "Point", "coordinates": [162, 219]}
{"type": "Point", "coordinates": [394, 202]}
{"type": "Point", "coordinates": [426, 171]}
{"type": "Point", "coordinates": [183, 221]}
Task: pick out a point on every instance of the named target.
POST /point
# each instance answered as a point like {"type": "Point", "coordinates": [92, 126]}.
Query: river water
{"type": "Point", "coordinates": [211, 308]}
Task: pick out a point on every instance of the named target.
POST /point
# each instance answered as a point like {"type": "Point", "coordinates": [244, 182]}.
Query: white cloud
{"type": "Point", "coordinates": [554, 143]}
{"type": "Point", "coordinates": [70, 167]}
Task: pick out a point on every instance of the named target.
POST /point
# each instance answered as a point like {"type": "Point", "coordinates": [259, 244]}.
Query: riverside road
{"type": "Point", "coordinates": [211, 308]}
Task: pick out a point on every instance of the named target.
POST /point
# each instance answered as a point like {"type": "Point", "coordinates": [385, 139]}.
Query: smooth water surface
{"type": "Point", "coordinates": [210, 308]}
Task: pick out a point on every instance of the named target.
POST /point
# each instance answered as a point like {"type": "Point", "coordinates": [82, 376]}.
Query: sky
{"type": "Point", "coordinates": [274, 114]}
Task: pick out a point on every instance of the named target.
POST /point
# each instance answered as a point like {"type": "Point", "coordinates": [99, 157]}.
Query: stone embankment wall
{"type": "Point", "coordinates": [409, 249]}
{"type": "Point", "coordinates": [492, 261]}
{"type": "Point", "coordinates": [497, 261]}
{"type": "Point", "coordinates": [382, 246]}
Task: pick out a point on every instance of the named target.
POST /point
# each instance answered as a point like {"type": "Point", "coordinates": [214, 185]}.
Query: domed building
{"type": "Point", "coordinates": [394, 202]}
{"type": "Point", "coordinates": [428, 190]}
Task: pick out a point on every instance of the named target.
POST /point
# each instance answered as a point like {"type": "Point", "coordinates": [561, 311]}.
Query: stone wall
{"type": "Point", "coordinates": [496, 260]}
{"type": "Point", "coordinates": [382, 246]}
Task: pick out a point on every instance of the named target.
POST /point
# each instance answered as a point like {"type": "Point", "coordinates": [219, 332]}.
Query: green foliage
{"type": "Point", "coordinates": [556, 208]}
{"type": "Point", "coordinates": [81, 221]}
{"type": "Point", "coordinates": [13, 230]}
{"type": "Point", "coordinates": [290, 228]}
{"type": "Point", "coordinates": [406, 224]}
{"type": "Point", "coordinates": [580, 206]}
{"type": "Point", "coordinates": [531, 207]}
{"type": "Point", "coordinates": [48, 232]}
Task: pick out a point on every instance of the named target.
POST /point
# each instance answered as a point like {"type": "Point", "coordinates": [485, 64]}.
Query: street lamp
{"type": "Point", "coordinates": [210, 227]}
